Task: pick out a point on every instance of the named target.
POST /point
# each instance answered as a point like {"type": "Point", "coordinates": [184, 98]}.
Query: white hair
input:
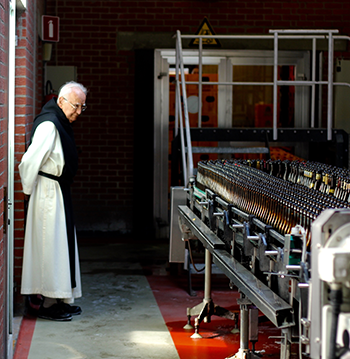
{"type": "Point", "coordinates": [69, 86]}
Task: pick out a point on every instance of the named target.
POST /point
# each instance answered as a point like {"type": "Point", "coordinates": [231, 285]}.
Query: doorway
{"type": "Point", "coordinates": [230, 106]}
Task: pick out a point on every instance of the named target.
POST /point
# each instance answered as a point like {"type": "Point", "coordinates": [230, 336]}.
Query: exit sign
{"type": "Point", "coordinates": [50, 28]}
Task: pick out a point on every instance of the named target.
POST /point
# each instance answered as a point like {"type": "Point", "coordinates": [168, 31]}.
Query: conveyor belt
{"type": "Point", "coordinates": [270, 304]}
{"type": "Point", "coordinates": [276, 309]}
{"type": "Point", "coordinates": [200, 230]}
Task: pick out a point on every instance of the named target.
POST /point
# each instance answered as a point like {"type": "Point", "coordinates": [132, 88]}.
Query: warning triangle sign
{"type": "Point", "coordinates": [206, 29]}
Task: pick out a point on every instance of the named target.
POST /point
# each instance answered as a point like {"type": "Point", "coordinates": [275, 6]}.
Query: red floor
{"type": "Point", "coordinates": [218, 341]}
{"type": "Point", "coordinates": [24, 338]}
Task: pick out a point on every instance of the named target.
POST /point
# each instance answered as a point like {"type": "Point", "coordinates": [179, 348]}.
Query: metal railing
{"type": "Point", "coordinates": [313, 35]}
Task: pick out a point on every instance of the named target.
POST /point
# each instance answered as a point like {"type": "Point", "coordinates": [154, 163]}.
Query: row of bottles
{"type": "Point", "coordinates": [315, 175]}
{"type": "Point", "coordinates": [278, 193]}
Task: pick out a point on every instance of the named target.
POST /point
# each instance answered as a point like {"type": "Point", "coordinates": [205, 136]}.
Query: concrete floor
{"type": "Point", "coordinates": [135, 307]}
{"type": "Point", "coordinates": [120, 318]}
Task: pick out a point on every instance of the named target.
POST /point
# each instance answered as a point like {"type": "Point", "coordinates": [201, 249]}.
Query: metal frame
{"type": "Point", "coordinates": [229, 237]}
{"type": "Point", "coordinates": [10, 178]}
{"type": "Point", "coordinates": [261, 135]}
{"type": "Point", "coordinates": [277, 310]}
{"type": "Point", "coordinates": [244, 247]}
{"type": "Point", "coordinates": [323, 228]}
{"type": "Point", "coordinates": [225, 60]}
{"type": "Point", "coordinates": [283, 34]}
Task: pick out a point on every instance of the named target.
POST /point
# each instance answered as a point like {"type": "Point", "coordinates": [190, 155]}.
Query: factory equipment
{"type": "Point", "coordinates": [280, 231]}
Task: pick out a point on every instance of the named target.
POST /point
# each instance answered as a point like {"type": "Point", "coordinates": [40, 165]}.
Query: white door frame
{"type": "Point", "coordinates": [161, 128]}
{"type": "Point", "coordinates": [10, 177]}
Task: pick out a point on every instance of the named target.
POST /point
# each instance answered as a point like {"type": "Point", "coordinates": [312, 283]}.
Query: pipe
{"type": "Point", "coordinates": [313, 88]}
{"type": "Point", "coordinates": [177, 99]}
{"type": "Point", "coordinates": [207, 276]}
{"type": "Point", "coordinates": [268, 37]}
{"type": "Point", "coordinates": [185, 108]}
{"type": "Point", "coordinates": [320, 66]}
{"type": "Point", "coordinates": [244, 329]}
{"type": "Point", "coordinates": [179, 115]}
{"type": "Point", "coordinates": [182, 137]}
{"type": "Point", "coordinates": [200, 72]}
{"type": "Point", "coordinates": [336, 299]}
{"type": "Point", "coordinates": [280, 83]}
{"type": "Point", "coordinates": [330, 87]}
{"type": "Point", "coordinates": [275, 78]}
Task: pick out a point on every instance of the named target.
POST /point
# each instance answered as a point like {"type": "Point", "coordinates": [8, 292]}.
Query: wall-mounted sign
{"type": "Point", "coordinates": [50, 28]}
{"type": "Point", "coordinates": [205, 29]}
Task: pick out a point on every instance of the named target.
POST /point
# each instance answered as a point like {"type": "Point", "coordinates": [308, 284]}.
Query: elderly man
{"type": "Point", "coordinates": [50, 261]}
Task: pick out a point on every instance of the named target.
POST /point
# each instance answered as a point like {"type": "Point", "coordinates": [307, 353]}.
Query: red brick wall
{"type": "Point", "coordinates": [88, 40]}
{"type": "Point", "coordinates": [104, 133]}
{"type": "Point", "coordinates": [28, 101]}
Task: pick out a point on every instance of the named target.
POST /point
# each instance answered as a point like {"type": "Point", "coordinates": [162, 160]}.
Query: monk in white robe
{"type": "Point", "coordinates": [50, 260]}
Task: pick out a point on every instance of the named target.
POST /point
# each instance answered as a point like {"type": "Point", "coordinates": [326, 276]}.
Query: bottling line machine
{"type": "Point", "coordinates": [280, 231]}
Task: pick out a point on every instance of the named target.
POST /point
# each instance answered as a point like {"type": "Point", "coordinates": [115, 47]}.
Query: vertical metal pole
{"type": "Point", "coordinates": [244, 329]}
{"type": "Point", "coordinates": [275, 69]}
{"type": "Point", "coordinates": [179, 112]}
{"type": "Point", "coordinates": [177, 99]}
{"type": "Point", "coordinates": [330, 87]}
{"type": "Point", "coordinates": [185, 107]}
{"type": "Point", "coordinates": [207, 276]}
{"type": "Point", "coordinates": [182, 138]}
{"type": "Point", "coordinates": [285, 345]}
{"type": "Point", "coordinates": [320, 76]}
{"type": "Point", "coordinates": [200, 72]}
{"type": "Point", "coordinates": [313, 88]}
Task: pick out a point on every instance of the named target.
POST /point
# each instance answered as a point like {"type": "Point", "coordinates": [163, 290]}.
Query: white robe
{"type": "Point", "coordinates": [46, 268]}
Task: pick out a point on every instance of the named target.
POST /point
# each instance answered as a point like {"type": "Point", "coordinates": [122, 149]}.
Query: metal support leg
{"type": "Point", "coordinates": [235, 330]}
{"type": "Point", "coordinates": [191, 292]}
{"type": "Point", "coordinates": [207, 305]}
{"type": "Point", "coordinates": [285, 345]}
{"type": "Point", "coordinates": [207, 308]}
{"type": "Point", "coordinates": [243, 351]}
{"type": "Point", "coordinates": [243, 340]}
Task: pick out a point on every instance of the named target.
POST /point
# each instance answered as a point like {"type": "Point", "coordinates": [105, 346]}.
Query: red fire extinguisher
{"type": "Point", "coordinates": [50, 92]}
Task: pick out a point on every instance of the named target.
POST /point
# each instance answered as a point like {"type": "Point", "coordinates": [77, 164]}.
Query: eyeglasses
{"type": "Point", "coordinates": [83, 107]}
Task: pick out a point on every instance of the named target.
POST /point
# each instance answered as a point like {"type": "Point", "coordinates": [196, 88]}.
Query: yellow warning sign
{"type": "Point", "coordinates": [206, 29]}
